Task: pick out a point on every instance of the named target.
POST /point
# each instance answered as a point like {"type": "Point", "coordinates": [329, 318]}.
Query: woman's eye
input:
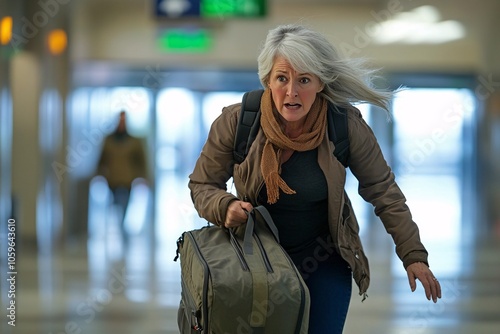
{"type": "Point", "coordinates": [281, 78]}
{"type": "Point", "coordinates": [305, 80]}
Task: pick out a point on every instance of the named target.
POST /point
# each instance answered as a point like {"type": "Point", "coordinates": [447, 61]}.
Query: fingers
{"type": "Point", "coordinates": [435, 289]}
{"type": "Point", "coordinates": [246, 206]}
{"type": "Point", "coordinates": [411, 280]}
{"type": "Point", "coordinates": [432, 288]}
{"type": "Point", "coordinates": [237, 213]}
{"type": "Point", "coordinates": [430, 283]}
{"type": "Point", "coordinates": [427, 283]}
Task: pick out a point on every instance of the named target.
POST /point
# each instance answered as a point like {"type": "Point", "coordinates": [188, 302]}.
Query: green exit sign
{"type": "Point", "coordinates": [233, 8]}
{"type": "Point", "coordinates": [178, 9]}
{"type": "Point", "coordinates": [185, 41]}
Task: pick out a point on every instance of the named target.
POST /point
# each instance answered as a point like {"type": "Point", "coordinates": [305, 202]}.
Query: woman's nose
{"type": "Point", "coordinates": [291, 89]}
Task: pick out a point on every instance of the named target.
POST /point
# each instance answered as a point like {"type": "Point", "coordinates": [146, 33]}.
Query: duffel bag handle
{"type": "Point", "coordinates": [250, 227]}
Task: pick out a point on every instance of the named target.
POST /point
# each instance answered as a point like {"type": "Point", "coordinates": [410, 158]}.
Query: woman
{"type": "Point", "coordinates": [291, 170]}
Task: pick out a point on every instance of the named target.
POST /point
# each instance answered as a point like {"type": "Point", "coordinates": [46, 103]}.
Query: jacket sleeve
{"type": "Point", "coordinates": [377, 186]}
{"type": "Point", "coordinates": [214, 168]}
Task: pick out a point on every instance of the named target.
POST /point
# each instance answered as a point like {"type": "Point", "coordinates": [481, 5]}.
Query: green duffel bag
{"type": "Point", "coordinates": [240, 281]}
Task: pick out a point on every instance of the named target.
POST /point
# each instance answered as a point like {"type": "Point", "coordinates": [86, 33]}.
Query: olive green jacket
{"type": "Point", "coordinates": [215, 167]}
{"type": "Point", "coordinates": [122, 161]}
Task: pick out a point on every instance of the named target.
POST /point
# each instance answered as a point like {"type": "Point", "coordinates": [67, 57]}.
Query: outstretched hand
{"type": "Point", "coordinates": [421, 271]}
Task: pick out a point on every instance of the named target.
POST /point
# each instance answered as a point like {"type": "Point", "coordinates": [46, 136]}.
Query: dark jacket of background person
{"type": "Point", "coordinates": [122, 160]}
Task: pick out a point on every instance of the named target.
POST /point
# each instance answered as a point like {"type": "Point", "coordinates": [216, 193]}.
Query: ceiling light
{"type": "Point", "coordinates": [422, 25]}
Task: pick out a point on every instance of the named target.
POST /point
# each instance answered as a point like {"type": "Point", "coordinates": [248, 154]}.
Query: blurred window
{"type": "Point", "coordinates": [429, 159]}
{"type": "Point", "coordinates": [94, 115]}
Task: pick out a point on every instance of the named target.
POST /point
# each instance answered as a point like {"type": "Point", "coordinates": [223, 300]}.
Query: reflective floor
{"type": "Point", "coordinates": [103, 286]}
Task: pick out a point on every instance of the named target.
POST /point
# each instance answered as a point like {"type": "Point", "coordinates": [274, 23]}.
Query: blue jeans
{"type": "Point", "coordinates": [329, 279]}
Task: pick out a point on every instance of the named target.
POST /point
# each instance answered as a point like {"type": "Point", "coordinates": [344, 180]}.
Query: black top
{"type": "Point", "coordinates": [301, 218]}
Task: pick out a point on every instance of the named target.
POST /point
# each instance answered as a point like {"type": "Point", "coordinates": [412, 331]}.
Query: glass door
{"type": "Point", "coordinates": [430, 156]}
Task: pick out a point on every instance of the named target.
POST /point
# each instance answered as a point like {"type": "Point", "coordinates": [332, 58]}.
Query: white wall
{"type": "Point", "coordinates": [127, 34]}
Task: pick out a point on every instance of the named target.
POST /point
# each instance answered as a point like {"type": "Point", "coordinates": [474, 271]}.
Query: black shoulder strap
{"type": "Point", "coordinates": [248, 124]}
{"type": "Point", "coordinates": [338, 133]}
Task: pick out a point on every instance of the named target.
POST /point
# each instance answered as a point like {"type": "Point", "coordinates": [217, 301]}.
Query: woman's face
{"type": "Point", "coordinates": [293, 93]}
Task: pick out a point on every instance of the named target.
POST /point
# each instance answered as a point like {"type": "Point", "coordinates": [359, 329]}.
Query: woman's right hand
{"type": "Point", "coordinates": [237, 213]}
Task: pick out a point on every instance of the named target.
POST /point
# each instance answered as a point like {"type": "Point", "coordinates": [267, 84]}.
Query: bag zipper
{"type": "Point", "coordinates": [193, 312]}
{"type": "Point", "coordinates": [206, 272]}
{"type": "Point", "coordinates": [239, 252]}
{"type": "Point", "coordinates": [302, 295]}
{"type": "Point", "coordinates": [180, 242]}
{"type": "Point", "coordinates": [264, 254]}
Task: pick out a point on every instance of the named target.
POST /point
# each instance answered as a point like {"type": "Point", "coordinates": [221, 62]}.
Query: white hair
{"type": "Point", "coordinates": [346, 81]}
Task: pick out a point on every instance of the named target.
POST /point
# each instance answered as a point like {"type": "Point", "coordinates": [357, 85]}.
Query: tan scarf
{"type": "Point", "coordinates": [277, 141]}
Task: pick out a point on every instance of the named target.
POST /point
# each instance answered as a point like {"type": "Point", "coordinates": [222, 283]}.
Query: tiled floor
{"type": "Point", "coordinates": [100, 287]}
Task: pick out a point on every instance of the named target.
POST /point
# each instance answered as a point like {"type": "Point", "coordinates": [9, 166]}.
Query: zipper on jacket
{"type": "Point", "coordinates": [344, 220]}
{"type": "Point", "coordinates": [264, 254]}
{"type": "Point", "coordinates": [206, 272]}
{"type": "Point", "coordinates": [340, 222]}
{"type": "Point", "coordinates": [341, 218]}
{"type": "Point", "coordinates": [254, 200]}
{"type": "Point", "coordinates": [239, 252]}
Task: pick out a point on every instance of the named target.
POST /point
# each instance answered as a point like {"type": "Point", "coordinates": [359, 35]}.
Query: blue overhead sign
{"type": "Point", "coordinates": [210, 8]}
{"type": "Point", "coordinates": [178, 8]}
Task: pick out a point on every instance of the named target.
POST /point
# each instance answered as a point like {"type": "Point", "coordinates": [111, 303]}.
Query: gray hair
{"type": "Point", "coordinates": [346, 81]}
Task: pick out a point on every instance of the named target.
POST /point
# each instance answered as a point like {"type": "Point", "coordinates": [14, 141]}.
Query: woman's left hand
{"type": "Point", "coordinates": [420, 271]}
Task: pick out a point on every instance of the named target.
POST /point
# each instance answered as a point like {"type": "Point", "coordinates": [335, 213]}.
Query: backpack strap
{"type": "Point", "coordinates": [248, 124]}
{"type": "Point", "coordinates": [338, 133]}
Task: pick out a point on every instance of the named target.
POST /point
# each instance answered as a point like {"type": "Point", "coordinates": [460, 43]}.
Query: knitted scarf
{"type": "Point", "coordinates": [277, 141]}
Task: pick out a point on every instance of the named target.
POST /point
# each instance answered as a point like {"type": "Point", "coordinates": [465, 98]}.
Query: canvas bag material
{"type": "Point", "coordinates": [240, 281]}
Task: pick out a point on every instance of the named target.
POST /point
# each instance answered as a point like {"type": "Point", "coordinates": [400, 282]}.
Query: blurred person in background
{"type": "Point", "coordinates": [122, 161]}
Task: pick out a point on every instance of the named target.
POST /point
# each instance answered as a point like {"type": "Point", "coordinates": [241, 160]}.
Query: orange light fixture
{"type": "Point", "coordinates": [57, 41]}
{"type": "Point", "coordinates": [5, 30]}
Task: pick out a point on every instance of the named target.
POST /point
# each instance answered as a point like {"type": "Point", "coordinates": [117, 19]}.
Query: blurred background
{"type": "Point", "coordinates": [84, 263]}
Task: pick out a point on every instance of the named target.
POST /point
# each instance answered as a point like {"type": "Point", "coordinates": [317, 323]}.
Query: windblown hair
{"type": "Point", "coordinates": [347, 81]}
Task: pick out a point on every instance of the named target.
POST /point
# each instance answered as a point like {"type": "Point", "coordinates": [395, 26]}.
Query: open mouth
{"type": "Point", "coordinates": [293, 105]}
